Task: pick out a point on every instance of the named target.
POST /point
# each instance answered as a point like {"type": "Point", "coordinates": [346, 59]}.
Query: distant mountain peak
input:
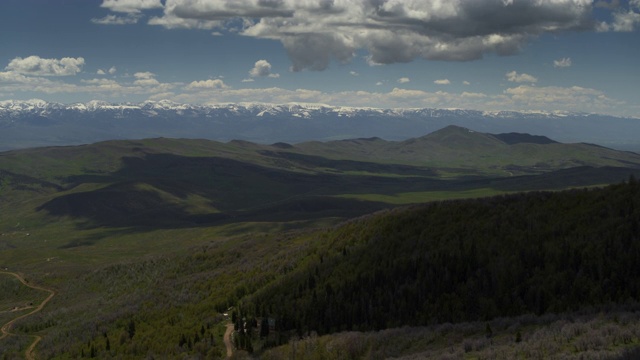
{"type": "Point", "coordinates": [454, 129]}
{"type": "Point", "coordinates": [460, 135]}
{"type": "Point", "coordinates": [447, 132]}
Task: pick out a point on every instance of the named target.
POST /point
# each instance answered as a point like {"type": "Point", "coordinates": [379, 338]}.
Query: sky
{"type": "Point", "coordinates": [550, 55]}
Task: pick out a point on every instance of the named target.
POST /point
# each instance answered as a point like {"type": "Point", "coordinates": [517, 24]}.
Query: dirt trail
{"type": "Point", "coordinates": [28, 354]}
{"type": "Point", "coordinates": [227, 340]}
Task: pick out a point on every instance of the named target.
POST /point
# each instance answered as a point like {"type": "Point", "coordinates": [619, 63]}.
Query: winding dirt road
{"type": "Point", "coordinates": [227, 340]}
{"type": "Point", "coordinates": [28, 354]}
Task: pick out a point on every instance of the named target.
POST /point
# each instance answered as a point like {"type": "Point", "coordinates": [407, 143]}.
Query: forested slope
{"type": "Point", "coordinates": [465, 260]}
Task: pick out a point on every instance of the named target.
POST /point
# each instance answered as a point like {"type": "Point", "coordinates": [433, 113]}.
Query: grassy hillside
{"type": "Point", "coordinates": [461, 150]}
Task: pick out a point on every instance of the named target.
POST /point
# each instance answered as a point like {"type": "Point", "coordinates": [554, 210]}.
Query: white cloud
{"type": "Point", "coordinates": [247, 80]}
{"type": "Point", "coordinates": [316, 31]}
{"type": "Point", "coordinates": [466, 83]}
{"type": "Point", "coordinates": [144, 75]}
{"type": "Point", "coordinates": [131, 6]}
{"type": "Point", "coordinates": [403, 80]}
{"type": "Point", "coordinates": [625, 21]}
{"type": "Point", "coordinates": [442, 82]}
{"type": "Point", "coordinates": [174, 22]}
{"type": "Point", "coordinates": [145, 83]}
{"type": "Point", "coordinates": [147, 80]}
{"type": "Point", "coordinates": [117, 20]}
{"type": "Point", "coordinates": [519, 78]}
{"type": "Point", "coordinates": [625, 18]}
{"type": "Point", "coordinates": [35, 65]}
{"type": "Point", "coordinates": [112, 70]}
{"type": "Point", "coordinates": [353, 73]}
{"type": "Point", "coordinates": [15, 82]}
{"type": "Point", "coordinates": [602, 26]}
{"type": "Point", "coordinates": [17, 78]}
{"type": "Point", "coordinates": [206, 84]}
{"type": "Point", "coordinates": [471, 95]}
{"type": "Point", "coordinates": [100, 82]}
{"type": "Point", "coordinates": [573, 98]}
{"type": "Point", "coordinates": [562, 63]}
{"type": "Point", "coordinates": [262, 68]}
{"type": "Point", "coordinates": [379, 83]}
{"type": "Point", "coordinates": [174, 18]}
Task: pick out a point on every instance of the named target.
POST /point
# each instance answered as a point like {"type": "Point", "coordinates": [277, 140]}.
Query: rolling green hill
{"type": "Point", "coordinates": [187, 182]}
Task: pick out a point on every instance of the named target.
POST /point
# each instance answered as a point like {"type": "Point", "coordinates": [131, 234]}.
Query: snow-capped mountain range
{"type": "Point", "coordinates": [18, 108]}
{"type": "Point", "coordinates": [39, 123]}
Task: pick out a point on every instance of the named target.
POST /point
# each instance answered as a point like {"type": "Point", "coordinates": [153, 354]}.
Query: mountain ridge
{"type": "Point", "coordinates": [39, 123]}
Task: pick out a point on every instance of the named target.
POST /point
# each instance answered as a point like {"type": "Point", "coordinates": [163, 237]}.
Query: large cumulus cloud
{"type": "Point", "coordinates": [316, 31]}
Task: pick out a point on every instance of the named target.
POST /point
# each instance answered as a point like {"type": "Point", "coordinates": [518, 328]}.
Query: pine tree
{"type": "Point", "coordinates": [264, 327]}
{"type": "Point", "coordinates": [131, 329]}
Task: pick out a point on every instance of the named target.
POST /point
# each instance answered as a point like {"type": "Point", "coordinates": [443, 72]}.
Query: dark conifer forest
{"type": "Point", "coordinates": [454, 261]}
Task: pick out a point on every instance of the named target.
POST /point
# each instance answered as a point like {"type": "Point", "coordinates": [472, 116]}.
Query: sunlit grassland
{"type": "Point", "coordinates": [426, 196]}
{"type": "Point", "coordinates": [407, 198]}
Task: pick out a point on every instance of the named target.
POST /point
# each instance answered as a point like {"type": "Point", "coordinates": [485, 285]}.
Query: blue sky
{"type": "Point", "coordinates": [568, 55]}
